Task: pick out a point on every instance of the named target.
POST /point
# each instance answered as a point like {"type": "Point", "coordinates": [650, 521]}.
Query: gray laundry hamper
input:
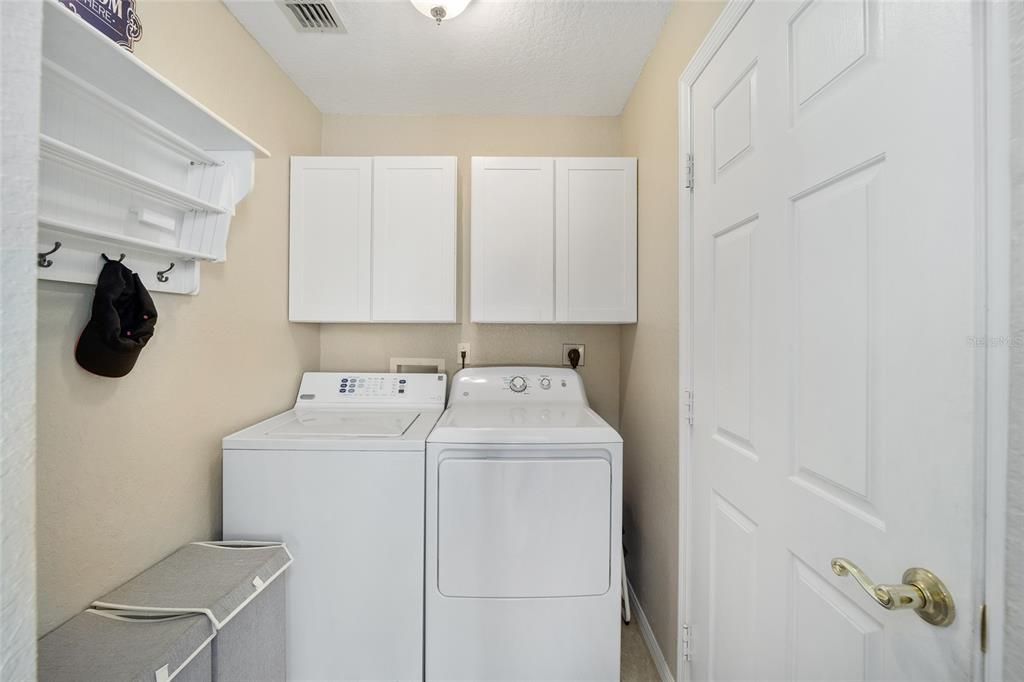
{"type": "Point", "coordinates": [111, 646]}
{"type": "Point", "coordinates": [235, 585]}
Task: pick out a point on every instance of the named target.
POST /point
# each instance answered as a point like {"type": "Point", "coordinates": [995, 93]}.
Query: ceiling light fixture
{"type": "Point", "coordinates": [440, 10]}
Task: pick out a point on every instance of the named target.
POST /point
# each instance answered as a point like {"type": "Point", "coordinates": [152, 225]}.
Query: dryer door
{"type": "Point", "coordinates": [513, 526]}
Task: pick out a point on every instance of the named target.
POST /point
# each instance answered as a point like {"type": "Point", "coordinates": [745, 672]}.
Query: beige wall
{"type": "Point", "coordinates": [650, 366]}
{"type": "Point", "coordinates": [129, 469]}
{"type": "Point", "coordinates": [369, 347]}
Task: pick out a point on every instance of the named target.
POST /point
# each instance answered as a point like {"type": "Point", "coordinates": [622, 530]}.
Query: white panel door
{"type": "Point", "coordinates": [595, 240]}
{"type": "Point", "coordinates": [414, 238]}
{"type": "Point", "coordinates": [834, 292]}
{"type": "Point", "coordinates": [513, 240]}
{"type": "Point", "coordinates": [329, 256]}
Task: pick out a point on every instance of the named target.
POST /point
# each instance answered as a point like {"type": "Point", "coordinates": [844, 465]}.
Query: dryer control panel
{"type": "Point", "coordinates": [515, 384]}
{"type": "Point", "coordinates": [367, 388]}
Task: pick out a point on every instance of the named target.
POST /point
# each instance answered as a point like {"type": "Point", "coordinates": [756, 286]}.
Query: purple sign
{"type": "Point", "coordinates": [116, 19]}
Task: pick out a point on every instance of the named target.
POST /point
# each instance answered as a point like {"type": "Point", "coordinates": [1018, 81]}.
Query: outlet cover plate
{"type": "Point", "coordinates": [566, 347]}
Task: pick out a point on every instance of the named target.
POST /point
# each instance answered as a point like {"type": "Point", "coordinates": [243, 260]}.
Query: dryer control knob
{"type": "Point", "coordinates": [545, 383]}
{"type": "Point", "coordinates": [517, 384]}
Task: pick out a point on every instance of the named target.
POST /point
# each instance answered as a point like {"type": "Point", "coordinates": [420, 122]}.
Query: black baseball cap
{"type": "Point", "coordinates": [122, 323]}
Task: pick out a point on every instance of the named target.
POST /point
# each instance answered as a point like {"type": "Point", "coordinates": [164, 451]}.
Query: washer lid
{"type": "Point", "coordinates": [338, 429]}
{"type": "Point", "coordinates": [330, 423]}
{"type": "Point", "coordinates": [522, 423]}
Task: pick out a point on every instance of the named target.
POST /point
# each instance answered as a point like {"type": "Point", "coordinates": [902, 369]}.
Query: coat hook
{"type": "Point", "coordinates": [45, 262]}
{"type": "Point", "coordinates": [119, 260]}
{"type": "Point", "coordinates": [161, 275]}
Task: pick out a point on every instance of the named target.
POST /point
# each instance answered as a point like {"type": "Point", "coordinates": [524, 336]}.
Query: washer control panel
{"type": "Point", "coordinates": [364, 387]}
{"type": "Point", "coordinates": [547, 384]}
{"type": "Point", "coordinates": [375, 385]}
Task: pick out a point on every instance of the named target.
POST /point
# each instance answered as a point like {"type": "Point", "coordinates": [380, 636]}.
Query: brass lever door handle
{"type": "Point", "coordinates": [921, 590]}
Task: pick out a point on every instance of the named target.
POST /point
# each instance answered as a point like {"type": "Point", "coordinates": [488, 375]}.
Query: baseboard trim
{"type": "Point", "coordinates": [640, 619]}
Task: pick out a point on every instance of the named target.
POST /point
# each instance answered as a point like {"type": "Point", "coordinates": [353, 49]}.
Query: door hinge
{"type": "Point", "coordinates": [686, 643]}
{"type": "Point", "coordinates": [689, 172]}
{"type": "Point", "coordinates": [984, 628]}
{"type": "Point", "coordinates": [688, 394]}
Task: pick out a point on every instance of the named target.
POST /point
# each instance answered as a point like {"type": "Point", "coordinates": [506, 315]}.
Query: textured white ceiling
{"type": "Point", "coordinates": [539, 57]}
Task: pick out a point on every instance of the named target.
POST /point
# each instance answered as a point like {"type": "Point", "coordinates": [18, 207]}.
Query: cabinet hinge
{"type": "Point", "coordinates": [689, 172]}
{"type": "Point", "coordinates": [984, 628]}
{"type": "Point", "coordinates": [688, 395]}
{"type": "Point", "coordinates": [687, 649]}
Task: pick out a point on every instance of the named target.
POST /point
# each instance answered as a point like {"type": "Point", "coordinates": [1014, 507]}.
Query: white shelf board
{"type": "Point", "coordinates": [68, 155]}
{"type": "Point", "coordinates": [123, 241]}
{"type": "Point", "coordinates": [73, 45]}
{"type": "Point", "coordinates": [168, 138]}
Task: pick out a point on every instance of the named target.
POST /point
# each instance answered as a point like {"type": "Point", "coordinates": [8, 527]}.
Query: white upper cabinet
{"type": "Point", "coordinates": [329, 260]}
{"type": "Point", "coordinates": [373, 239]}
{"type": "Point", "coordinates": [554, 240]}
{"type": "Point", "coordinates": [414, 233]}
{"type": "Point", "coordinates": [513, 238]}
{"type": "Point", "coordinates": [595, 240]}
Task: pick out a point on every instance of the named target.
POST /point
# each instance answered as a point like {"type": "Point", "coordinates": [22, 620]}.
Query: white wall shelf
{"type": "Point", "coordinates": [130, 163]}
{"type": "Point", "coordinates": [71, 230]}
{"type": "Point", "coordinates": [72, 157]}
{"type": "Point", "coordinates": [170, 139]}
{"type": "Point", "coordinates": [84, 52]}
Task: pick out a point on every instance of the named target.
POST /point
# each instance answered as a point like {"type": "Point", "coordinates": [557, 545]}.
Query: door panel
{"type": "Point", "coordinates": [733, 120]}
{"type": "Point", "coordinates": [513, 240]}
{"type": "Point", "coordinates": [834, 272]}
{"type": "Point", "coordinates": [733, 341]}
{"type": "Point", "coordinates": [832, 637]}
{"type": "Point", "coordinates": [836, 311]}
{"type": "Point", "coordinates": [595, 240]}
{"type": "Point", "coordinates": [827, 39]}
{"type": "Point", "coordinates": [733, 559]}
{"type": "Point", "coordinates": [414, 244]}
{"type": "Point", "coordinates": [329, 257]}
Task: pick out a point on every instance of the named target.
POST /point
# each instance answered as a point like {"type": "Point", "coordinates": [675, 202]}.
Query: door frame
{"type": "Point", "coordinates": [992, 210]}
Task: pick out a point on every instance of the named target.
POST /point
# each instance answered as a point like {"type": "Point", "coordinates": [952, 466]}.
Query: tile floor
{"type": "Point", "coordinates": [637, 665]}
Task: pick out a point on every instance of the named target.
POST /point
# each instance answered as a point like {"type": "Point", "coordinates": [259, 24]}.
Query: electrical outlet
{"type": "Point", "coordinates": [463, 348]}
{"type": "Point", "coordinates": [566, 347]}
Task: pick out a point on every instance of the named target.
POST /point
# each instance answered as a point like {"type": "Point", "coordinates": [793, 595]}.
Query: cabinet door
{"type": "Point", "coordinates": [329, 258]}
{"type": "Point", "coordinates": [414, 205]}
{"type": "Point", "coordinates": [595, 240]}
{"type": "Point", "coordinates": [513, 240]}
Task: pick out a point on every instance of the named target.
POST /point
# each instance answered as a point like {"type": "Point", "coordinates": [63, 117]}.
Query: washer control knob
{"type": "Point", "coordinates": [545, 383]}
{"type": "Point", "coordinates": [517, 384]}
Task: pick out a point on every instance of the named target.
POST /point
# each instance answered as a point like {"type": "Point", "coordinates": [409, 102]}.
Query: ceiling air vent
{"type": "Point", "coordinates": [313, 17]}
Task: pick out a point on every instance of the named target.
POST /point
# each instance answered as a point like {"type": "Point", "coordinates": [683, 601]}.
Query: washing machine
{"type": "Point", "coordinates": [523, 545]}
{"type": "Point", "coordinates": [340, 478]}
